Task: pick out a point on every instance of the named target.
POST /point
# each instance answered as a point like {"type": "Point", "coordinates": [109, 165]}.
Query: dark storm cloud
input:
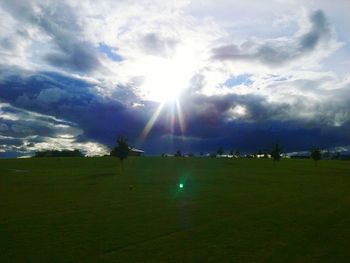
{"type": "Point", "coordinates": [208, 119]}
{"type": "Point", "coordinates": [21, 123]}
{"type": "Point", "coordinates": [216, 109]}
{"type": "Point", "coordinates": [84, 112]}
{"type": "Point", "coordinates": [75, 56]}
{"type": "Point", "coordinates": [250, 137]}
{"type": "Point", "coordinates": [24, 132]}
{"type": "Point", "coordinates": [325, 106]}
{"type": "Point", "coordinates": [208, 126]}
{"type": "Point", "coordinates": [74, 100]}
{"type": "Point", "coordinates": [279, 52]}
{"type": "Point", "coordinates": [58, 21]}
{"type": "Point", "coordinates": [320, 30]}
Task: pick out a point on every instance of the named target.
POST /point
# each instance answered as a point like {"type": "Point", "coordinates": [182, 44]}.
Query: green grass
{"type": "Point", "coordinates": [246, 210]}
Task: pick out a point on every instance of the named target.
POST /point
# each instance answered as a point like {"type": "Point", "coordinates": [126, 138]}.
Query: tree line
{"type": "Point", "coordinates": [57, 153]}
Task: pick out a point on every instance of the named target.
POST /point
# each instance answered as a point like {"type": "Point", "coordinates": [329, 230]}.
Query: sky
{"type": "Point", "coordinates": [167, 75]}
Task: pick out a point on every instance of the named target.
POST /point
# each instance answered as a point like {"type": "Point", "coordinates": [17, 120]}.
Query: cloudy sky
{"type": "Point", "coordinates": [190, 75]}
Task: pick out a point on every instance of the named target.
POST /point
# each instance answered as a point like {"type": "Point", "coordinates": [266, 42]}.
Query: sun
{"type": "Point", "coordinates": [166, 78]}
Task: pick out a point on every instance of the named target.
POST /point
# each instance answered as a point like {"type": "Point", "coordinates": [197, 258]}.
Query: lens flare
{"type": "Point", "coordinates": [180, 117]}
{"type": "Point", "coordinates": [175, 111]}
{"type": "Point", "coordinates": [151, 122]}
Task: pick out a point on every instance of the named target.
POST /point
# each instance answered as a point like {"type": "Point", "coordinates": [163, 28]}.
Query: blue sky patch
{"type": "Point", "coordinates": [238, 80]}
{"type": "Point", "coordinates": [102, 47]}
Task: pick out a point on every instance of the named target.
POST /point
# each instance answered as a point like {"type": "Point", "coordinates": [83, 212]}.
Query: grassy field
{"type": "Point", "coordinates": [242, 210]}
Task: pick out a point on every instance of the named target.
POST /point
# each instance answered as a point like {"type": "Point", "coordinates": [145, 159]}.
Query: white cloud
{"type": "Point", "coordinates": [166, 47]}
{"type": "Point", "coordinates": [30, 132]}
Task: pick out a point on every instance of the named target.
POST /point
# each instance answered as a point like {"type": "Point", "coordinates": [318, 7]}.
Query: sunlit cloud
{"type": "Point", "coordinates": [191, 69]}
{"type": "Point", "coordinates": [30, 132]}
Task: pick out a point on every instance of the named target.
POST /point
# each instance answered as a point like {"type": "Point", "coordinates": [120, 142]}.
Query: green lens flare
{"type": "Point", "coordinates": [181, 185]}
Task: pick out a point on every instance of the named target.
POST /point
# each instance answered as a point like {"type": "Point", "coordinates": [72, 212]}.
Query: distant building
{"type": "Point", "coordinates": [135, 152]}
{"type": "Point", "coordinates": [263, 155]}
{"type": "Point", "coordinates": [224, 156]}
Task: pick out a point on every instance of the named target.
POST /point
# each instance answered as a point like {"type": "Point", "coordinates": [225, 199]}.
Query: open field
{"type": "Point", "coordinates": [240, 210]}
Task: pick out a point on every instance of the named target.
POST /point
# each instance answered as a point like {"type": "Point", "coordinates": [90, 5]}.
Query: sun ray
{"type": "Point", "coordinates": [180, 117]}
{"type": "Point", "coordinates": [172, 118]}
{"type": "Point", "coordinates": [175, 112]}
{"type": "Point", "coordinates": [151, 122]}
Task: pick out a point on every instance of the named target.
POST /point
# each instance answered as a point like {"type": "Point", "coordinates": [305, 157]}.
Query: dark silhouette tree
{"type": "Point", "coordinates": [276, 153]}
{"type": "Point", "coordinates": [220, 151]}
{"type": "Point", "coordinates": [122, 149]}
{"type": "Point", "coordinates": [316, 154]}
{"type": "Point", "coordinates": [62, 153]}
{"type": "Point", "coordinates": [178, 153]}
{"type": "Point", "coordinates": [336, 156]}
{"type": "Point", "coordinates": [326, 155]}
{"type": "Point", "coordinates": [237, 153]}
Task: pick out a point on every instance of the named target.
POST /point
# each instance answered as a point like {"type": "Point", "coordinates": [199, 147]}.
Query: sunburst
{"type": "Point", "coordinates": [173, 114]}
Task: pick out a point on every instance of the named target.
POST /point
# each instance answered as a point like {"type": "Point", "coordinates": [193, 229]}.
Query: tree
{"type": "Point", "coordinates": [178, 153]}
{"type": "Point", "coordinates": [122, 149]}
{"type": "Point", "coordinates": [316, 154]}
{"type": "Point", "coordinates": [57, 153]}
{"type": "Point", "coordinates": [220, 151]}
{"type": "Point", "coordinates": [336, 156]}
{"type": "Point", "coordinates": [276, 152]}
{"type": "Point", "coordinates": [326, 155]}
{"type": "Point", "coordinates": [237, 154]}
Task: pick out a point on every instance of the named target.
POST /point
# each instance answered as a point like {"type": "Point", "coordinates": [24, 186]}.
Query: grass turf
{"type": "Point", "coordinates": [229, 210]}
